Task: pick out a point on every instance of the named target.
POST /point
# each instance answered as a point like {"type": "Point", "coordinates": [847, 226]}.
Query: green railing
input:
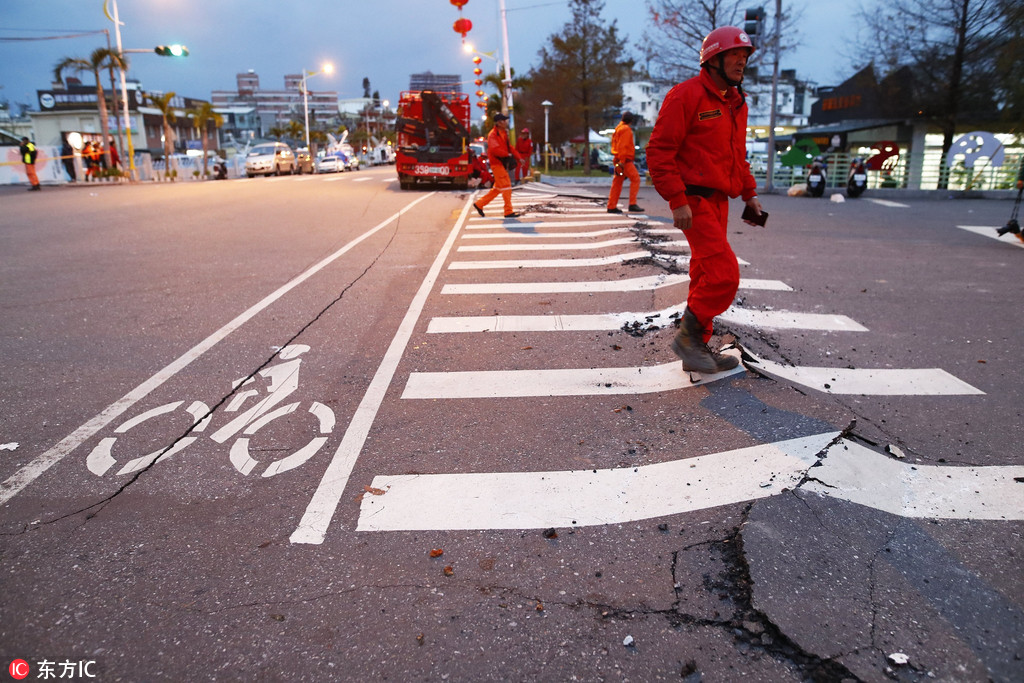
{"type": "Point", "coordinates": [908, 171]}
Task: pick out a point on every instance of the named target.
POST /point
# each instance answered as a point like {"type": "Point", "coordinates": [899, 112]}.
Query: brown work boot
{"type": "Point", "coordinates": [690, 347]}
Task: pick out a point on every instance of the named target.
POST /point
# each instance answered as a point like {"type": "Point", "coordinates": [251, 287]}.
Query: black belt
{"type": "Point", "coordinates": [699, 191]}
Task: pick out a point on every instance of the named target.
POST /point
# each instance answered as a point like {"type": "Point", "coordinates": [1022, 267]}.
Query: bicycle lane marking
{"type": "Point", "coordinates": [312, 527]}
{"type": "Point", "coordinates": [30, 472]}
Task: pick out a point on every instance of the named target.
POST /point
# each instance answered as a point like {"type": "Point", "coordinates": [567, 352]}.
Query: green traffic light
{"type": "Point", "coordinates": [175, 50]}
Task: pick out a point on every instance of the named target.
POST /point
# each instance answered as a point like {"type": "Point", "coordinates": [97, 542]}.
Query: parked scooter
{"type": "Point", "coordinates": [816, 177]}
{"type": "Point", "coordinates": [1012, 226]}
{"type": "Point", "coordinates": [858, 180]}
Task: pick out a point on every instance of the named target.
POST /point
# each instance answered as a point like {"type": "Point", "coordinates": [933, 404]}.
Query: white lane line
{"type": "Point", "coordinates": [516, 224]}
{"type": "Point", "coordinates": [889, 203]}
{"type": "Point", "coordinates": [857, 474]}
{"type": "Point", "coordinates": [615, 321]}
{"type": "Point", "coordinates": [31, 471]}
{"type": "Point", "coordinates": [990, 231]}
{"type": "Point", "coordinates": [313, 526]}
{"type": "Point", "coordinates": [335, 178]}
{"type": "Point", "coordinates": [361, 180]}
{"type": "Point", "coordinates": [869, 381]}
{"type": "Point", "coordinates": [567, 382]}
{"type": "Point", "coordinates": [571, 262]}
{"type": "Point", "coordinates": [564, 246]}
{"type": "Point", "coordinates": [306, 178]}
{"type": "Point", "coordinates": [566, 499]}
{"type": "Point", "coordinates": [640, 284]}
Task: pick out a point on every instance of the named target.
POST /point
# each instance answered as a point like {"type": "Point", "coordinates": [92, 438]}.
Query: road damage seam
{"type": "Point", "coordinates": [99, 505]}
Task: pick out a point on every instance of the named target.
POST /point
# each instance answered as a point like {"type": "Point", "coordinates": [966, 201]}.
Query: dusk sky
{"type": "Point", "coordinates": [383, 40]}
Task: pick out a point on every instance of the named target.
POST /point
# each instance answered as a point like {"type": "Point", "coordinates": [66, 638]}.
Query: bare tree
{"type": "Point", "coordinates": [951, 49]}
{"type": "Point", "coordinates": [677, 28]}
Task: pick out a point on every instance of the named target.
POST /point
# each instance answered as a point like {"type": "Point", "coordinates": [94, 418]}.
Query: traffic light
{"type": "Point", "coordinates": [171, 50]}
{"type": "Point", "coordinates": [753, 23]}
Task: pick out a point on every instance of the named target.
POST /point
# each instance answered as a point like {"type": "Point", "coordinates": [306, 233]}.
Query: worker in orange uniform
{"type": "Point", "coordinates": [624, 156]}
{"type": "Point", "coordinates": [503, 158]}
{"type": "Point", "coordinates": [697, 160]}
{"type": "Point", "coordinates": [524, 145]}
{"type": "Point", "coordinates": [28, 157]}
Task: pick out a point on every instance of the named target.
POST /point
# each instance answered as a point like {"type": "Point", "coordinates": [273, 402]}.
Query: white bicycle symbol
{"type": "Point", "coordinates": [283, 379]}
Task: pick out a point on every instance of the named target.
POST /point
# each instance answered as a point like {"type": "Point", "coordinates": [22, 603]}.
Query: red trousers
{"type": "Point", "coordinates": [714, 270]}
{"type": "Point", "coordinates": [502, 184]}
{"type": "Point", "coordinates": [629, 171]}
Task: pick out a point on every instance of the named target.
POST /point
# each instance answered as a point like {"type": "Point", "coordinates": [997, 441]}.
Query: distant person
{"type": "Point", "coordinates": [115, 158]}
{"type": "Point", "coordinates": [28, 157]}
{"type": "Point", "coordinates": [624, 157]}
{"type": "Point", "coordinates": [524, 145]}
{"type": "Point", "coordinates": [697, 162]}
{"type": "Point", "coordinates": [503, 158]}
{"type": "Point", "coordinates": [67, 158]}
{"type": "Point", "coordinates": [569, 154]}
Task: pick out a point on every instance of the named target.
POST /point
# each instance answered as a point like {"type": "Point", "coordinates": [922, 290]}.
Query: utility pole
{"type": "Point", "coordinates": [506, 98]}
{"type": "Point", "coordinates": [768, 184]}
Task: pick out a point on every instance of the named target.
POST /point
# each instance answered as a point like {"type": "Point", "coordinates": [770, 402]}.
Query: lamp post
{"type": "Point", "coordinates": [327, 69]}
{"type": "Point", "coordinates": [547, 104]}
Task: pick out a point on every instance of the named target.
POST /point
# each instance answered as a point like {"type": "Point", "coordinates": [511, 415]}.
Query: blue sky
{"type": "Point", "coordinates": [383, 40]}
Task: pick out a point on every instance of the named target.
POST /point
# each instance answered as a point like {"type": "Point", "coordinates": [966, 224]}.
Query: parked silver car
{"type": "Point", "coordinates": [270, 158]}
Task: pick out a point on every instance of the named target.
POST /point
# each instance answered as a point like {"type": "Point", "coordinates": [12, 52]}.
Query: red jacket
{"type": "Point", "coordinates": [700, 139]}
{"type": "Point", "coordinates": [524, 146]}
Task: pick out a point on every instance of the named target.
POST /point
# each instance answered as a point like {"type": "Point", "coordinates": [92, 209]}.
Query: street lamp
{"type": "Point", "coordinates": [547, 104]}
{"type": "Point", "coordinates": [327, 69]}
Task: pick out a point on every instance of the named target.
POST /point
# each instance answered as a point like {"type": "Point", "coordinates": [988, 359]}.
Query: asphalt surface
{"type": "Point", "coordinates": [317, 428]}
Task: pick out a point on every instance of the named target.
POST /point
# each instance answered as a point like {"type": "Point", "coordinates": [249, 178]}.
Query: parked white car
{"type": "Point", "coordinates": [330, 164]}
{"type": "Point", "coordinates": [270, 158]}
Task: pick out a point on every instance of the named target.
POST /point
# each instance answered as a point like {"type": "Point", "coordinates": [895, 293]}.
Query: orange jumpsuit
{"type": "Point", "coordinates": [499, 148]}
{"type": "Point", "coordinates": [624, 152]}
{"type": "Point", "coordinates": [697, 157]}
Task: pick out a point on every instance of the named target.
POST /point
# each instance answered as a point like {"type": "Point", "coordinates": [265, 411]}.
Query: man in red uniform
{"type": "Point", "coordinates": [697, 160]}
{"type": "Point", "coordinates": [624, 155]}
{"type": "Point", "coordinates": [524, 145]}
{"type": "Point", "coordinates": [503, 157]}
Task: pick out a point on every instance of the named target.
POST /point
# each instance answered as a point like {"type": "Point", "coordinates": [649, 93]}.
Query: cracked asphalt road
{"type": "Point", "coordinates": [184, 569]}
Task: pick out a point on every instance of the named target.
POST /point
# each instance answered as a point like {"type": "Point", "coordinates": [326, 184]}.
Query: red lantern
{"type": "Point", "coordinates": [463, 26]}
{"type": "Point", "coordinates": [477, 60]}
{"type": "Point", "coordinates": [478, 71]}
{"type": "Point", "coordinates": [459, 3]}
{"type": "Point", "coordinates": [478, 82]}
{"type": "Point", "coordinates": [479, 93]}
{"type": "Point", "coordinates": [481, 104]}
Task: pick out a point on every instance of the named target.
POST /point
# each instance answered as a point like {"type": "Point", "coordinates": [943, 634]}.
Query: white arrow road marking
{"type": "Point", "coordinates": [615, 321]}
{"type": "Point", "coordinates": [639, 284]}
{"type": "Point", "coordinates": [538, 500]}
{"type": "Point", "coordinates": [570, 235]}
{"type": "Point", "coordinates": [558, 382]}
{"type": "Point", "coordinates": [869, 382]}
{"type": "Point", "coordinates": [990, 231]}
{"type": "Point", "coordinates": [857, 474]}
{"type": "Point", "coordinates": [572, 262]}
{"type": "Point", "coordinates": [886, 202]}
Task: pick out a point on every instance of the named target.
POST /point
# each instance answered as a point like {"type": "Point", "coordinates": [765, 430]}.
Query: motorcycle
{"type": "Point", "coordinates": [816, 178]}
{"type": "Point", "coordinates": [1012, 226]}
{"type": "Point", "coordinates": [858, 180]}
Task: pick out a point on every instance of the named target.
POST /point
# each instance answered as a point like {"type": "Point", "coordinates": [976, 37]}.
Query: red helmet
{"type": "Point", "coordinates": [722, 39]}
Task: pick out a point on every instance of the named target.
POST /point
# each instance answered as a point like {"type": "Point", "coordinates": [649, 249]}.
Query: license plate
{"type": "Point", "coordinates": [814, 178]}
{"type": "Point", "coordinates": [424, 169]}
{"type": "Point", "coordinates": [860, 177]}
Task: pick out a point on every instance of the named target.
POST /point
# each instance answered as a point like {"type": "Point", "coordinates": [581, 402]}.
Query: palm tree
{"type": "Point", "coordinates": [276, 132]}
{"type": "Point", "coordinates": [163, 103]}
{"type": "Point", "coordinates": [296, 131]}
{"type": "Point", "coordinates": [100, 59]}
{"type": "Point", "coordinates": [202, 117]}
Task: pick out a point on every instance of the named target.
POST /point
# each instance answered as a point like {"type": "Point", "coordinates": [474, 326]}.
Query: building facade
{"type": "Point", "coordinates": [275, 108]}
